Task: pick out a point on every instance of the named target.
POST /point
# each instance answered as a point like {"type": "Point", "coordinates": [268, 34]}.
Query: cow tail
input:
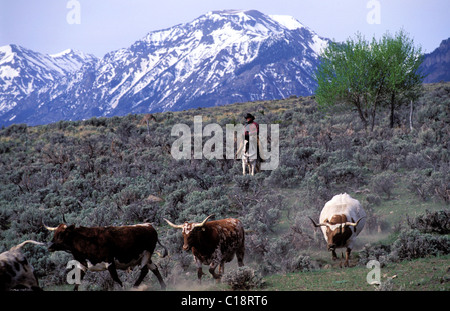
{"type": "Point", "coordinates": [25, 242]}
{"type": "Point", "coordinates": [165, 249]}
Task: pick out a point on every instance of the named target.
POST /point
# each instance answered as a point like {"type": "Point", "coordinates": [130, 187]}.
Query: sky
{"type": "Point", "coordinates": [102, 26]}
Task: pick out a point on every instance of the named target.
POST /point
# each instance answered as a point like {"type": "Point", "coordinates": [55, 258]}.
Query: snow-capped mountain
{"type": "Point", "coordinates": [24, 72]}
{"type": "Point", "coordinates": [219, 58]}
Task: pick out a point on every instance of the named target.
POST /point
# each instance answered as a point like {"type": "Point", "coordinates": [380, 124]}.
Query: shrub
{"type": "Point", "coordinates": [383, 183]}
{"type": "Point", "coordinates": [418, 183]}
{"type": "Point", "coordinates": [432, 222]}
{"type": "Point", "coordinates": [377, 252]}
{"type": "Point", "coordinates": [243, 278]}
{"type": "Point", "coordinates": [440, 182]}
{"type": "Point", "coordinates": [301, 263]}
{"type": "Point", "coordinates": [373, 200]}
{"type": "Point", "coordinates": [430, 184]}
{"type": "Point", "coordinates": [412, 244]}
{"type": "Point", "coordinates": [284, 177]}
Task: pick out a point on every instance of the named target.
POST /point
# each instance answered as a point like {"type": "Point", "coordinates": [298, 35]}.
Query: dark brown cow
{"type": "Point", "coordinates": [15, 271]}
{"type": "Point", "coordinates": [213, 243]}
{"type": "Point", "coordinates": [109, 248]}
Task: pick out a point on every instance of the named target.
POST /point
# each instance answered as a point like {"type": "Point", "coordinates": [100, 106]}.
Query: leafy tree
{"type": "Point", "coordinates": [400, 61]}
{"type": "Point", "coordinates": [367, 75]}
{"type": "Point", "coordinates": [347, 76]}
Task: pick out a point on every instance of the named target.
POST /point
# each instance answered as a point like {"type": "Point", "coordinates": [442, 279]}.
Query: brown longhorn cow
{"type": "Point", "coordinates": [213, 243]}
{"type": "Point", "coordinates": [109, 248]}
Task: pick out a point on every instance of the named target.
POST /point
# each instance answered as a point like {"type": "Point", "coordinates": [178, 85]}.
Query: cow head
{"type": "Point", "coordinates": [62, 236]}
{"type": "Point", "coordinates": [337, 232]}
{"type": "Point", "coordinates": [190, 231]}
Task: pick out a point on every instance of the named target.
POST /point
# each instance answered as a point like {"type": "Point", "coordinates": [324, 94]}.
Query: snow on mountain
{"type": "Point", "coordinates": [71, 61]}
{"type": "Point", "coordinates": [24, 72]}
{"type": "Point", "coordinates": [219, 58]}
{"type": "Point", "coordinates": [287, 21]}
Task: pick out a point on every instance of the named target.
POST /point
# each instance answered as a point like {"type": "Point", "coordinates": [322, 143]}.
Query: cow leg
{"type": "Point", "coordinates": [144, 272]}
{"type": "Point", "coordinates": [144, 267]}
{"type": "Point", "coordinates": [240, 256]}
{"type": "Point", "coordinates": [243, 167]}
{"type": "Point", "coordinates": [36, 287]}
{"type": "Point", "coordinates": [347, 257]}
{"type": "Point", "coordinates": [113, 272]}
{"type": "Point", "coordinates": [252, 165]}
{"type": "Point", "coordinates": [212, 270]}
{"type": "Point", "coordinates": [333, 255]}
{"type": "Point", "coordinates": [200, 273]}
{"type": "Point", "coordinates": [222, 268]}
{"type": "Point", "coordinates": [155, 271]}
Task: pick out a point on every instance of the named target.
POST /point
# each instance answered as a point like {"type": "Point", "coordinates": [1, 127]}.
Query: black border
{"type": "Point", "coordinates": [275, 300]}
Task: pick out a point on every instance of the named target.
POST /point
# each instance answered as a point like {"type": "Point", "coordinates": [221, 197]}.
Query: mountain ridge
{"type": "Point", "coordinates": [23, 71]}
{"type": "Point", "coordinates": [218, 58]}
{"type": "Point", "coordinates": [436, 65]}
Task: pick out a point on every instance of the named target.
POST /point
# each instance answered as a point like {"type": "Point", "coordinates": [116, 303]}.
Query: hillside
{"type": "Point", "coordinates": [119, 170]}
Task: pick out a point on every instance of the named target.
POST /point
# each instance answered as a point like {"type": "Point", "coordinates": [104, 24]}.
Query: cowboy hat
{"type": "Point", "coordinates": [248, 115]}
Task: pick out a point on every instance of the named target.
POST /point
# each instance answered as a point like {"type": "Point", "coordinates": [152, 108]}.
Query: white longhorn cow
{"type": "Point", "coordinates": [341, 220]}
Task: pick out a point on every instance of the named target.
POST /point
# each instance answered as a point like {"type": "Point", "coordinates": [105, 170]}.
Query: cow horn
{"type": "Point", "coordinates": [353, 224]}
{"type": "Point", "coordinates": [203, 222]}
{"type": "Point", "coordinates": [173, 225]}
{"type": "Point", "coordinates": [317, 225]}
{"type": "Point", "coordinates": [50, 228]}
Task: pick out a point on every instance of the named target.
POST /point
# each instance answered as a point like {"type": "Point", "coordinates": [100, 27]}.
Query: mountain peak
{"type": "Point", "coordinates": [253, 13]}
{"type": "Point", "coordinates": [232, 11]}
{"type": "Point", "coordinates": [61, 54]}
{"type": "Point", "coordinates": [219, 58]}
{"type": "Point", "coordinates": [287, 21]}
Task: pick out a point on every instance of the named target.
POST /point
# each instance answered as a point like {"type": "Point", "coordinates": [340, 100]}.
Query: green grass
{"type": "Point", "coordinates": [402, 204]}
{"type": "Point", "coordinates": [427, 274]}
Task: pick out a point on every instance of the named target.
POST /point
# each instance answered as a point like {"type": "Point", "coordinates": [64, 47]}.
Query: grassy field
{"type": "Point", "coordinates": [101, 172]}
{"type": "Point", "coordinates": [422, 274]}
{"type": "Point", "coordinates": [427, 274]}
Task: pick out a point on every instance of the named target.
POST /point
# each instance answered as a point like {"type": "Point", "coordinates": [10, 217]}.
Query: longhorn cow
{"type": "Point", "coordinates": [109, 248]}
{"type": "Point", "coordinates": [213, 243]}
{"type": "Point", "coordinates": [341, 221]}
{"type": "Point", "coordinates": [15, 271]}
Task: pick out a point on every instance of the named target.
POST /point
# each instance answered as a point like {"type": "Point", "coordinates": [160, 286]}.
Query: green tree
{"type": "Point", "coordinates": [401, 60]}
{"type": "Point", "coordinates": [368, 75]}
